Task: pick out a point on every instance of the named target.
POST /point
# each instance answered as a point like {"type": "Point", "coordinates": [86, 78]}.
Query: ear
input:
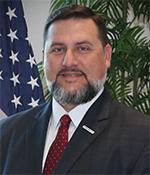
{"type": "Point", "coordinates": [108, 53]}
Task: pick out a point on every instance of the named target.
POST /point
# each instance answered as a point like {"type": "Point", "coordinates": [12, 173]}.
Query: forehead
{"type": "Point", "coordinates": [73, 27]}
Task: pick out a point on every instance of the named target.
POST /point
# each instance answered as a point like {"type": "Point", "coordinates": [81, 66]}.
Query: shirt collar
{"type": "Point", "coordinates": [76, 114]}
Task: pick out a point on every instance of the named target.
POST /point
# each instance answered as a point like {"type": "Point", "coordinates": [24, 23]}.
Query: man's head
{"type": "Point", "coordinates": [76, 55]}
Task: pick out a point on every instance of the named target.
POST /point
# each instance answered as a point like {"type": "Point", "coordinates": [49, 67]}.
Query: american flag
{"type": "Point", "coordinates": [20, 86]}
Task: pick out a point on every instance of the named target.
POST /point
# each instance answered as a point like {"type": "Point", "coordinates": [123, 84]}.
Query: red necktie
{"type": "Point", "coordinates": [57, 146]}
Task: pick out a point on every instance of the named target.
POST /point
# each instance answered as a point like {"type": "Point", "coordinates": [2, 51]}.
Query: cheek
{"type": "Point", "coordinates": [50, 69]}
{"type": "Point", "coordinates": [96, 69]}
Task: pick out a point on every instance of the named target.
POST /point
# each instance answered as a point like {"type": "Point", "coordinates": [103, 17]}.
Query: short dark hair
{"type": "Point", "coordinates": [78, 11]}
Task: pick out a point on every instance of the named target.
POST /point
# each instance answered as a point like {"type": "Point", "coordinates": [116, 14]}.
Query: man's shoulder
{"type": "Point", "coordinates": [121, 109]}
{"type": "Point", "coordinates": [129, 116]}
{"type": "Point", "coordinates": [21, 119]}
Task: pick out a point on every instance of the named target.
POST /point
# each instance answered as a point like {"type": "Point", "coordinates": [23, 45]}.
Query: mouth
{"type": "Point", "coordinates": [71, 73]}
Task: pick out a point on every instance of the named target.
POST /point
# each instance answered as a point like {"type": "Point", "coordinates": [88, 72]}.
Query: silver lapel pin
{"type": "Point", "coordinates": [88, 129]}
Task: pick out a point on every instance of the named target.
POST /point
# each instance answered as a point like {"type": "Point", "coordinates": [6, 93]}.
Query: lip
{"type": "Point", "coordinates": [71, 74]}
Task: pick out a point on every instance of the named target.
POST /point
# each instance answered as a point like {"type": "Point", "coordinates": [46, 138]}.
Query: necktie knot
{"type": "Point", "coordinates": [65, 121]}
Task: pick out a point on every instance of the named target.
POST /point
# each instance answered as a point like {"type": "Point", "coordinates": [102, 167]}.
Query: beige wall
{"type": "Point", "coordinates": [36, 12]}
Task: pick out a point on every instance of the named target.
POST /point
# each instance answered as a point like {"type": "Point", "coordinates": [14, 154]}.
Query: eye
{"type": "Point", "coordinates": [83, 49]}
{"type": "Point", "coordinates": [57, 50]}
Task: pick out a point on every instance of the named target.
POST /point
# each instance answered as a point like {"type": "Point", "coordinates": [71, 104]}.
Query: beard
{"type": "Point", "coordinates": [86, 93]}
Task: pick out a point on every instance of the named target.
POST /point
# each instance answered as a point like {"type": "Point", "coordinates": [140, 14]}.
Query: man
{"type": "Point", "coordinates": [104, 137]}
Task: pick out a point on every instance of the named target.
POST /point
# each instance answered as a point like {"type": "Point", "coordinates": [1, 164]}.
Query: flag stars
{"type": "Point", "coordinates": [19, 78]}
{"type": "Point", "coordinates": [13, 57]}
{"type": "Point", "coordinates": [1, 56]}
{"type": "Point", "coordinates": [11, 13]}
{"type": "Point", "coordinates": [16, 101]}
{"type": "Point", "coordinates": [28, 40]}
{"type": "Point", "coordinates": [1, 78]}
{"type": "Point", "coordinates": [12, 35]}
{"type": "Point", "coordinates": [31, 60]}
{"type": "Point", "coordinates": [15, 79]}
{"type": "Point", "coordinates": [33, 82]}
{"type": "Point", "coordinates": [34, 103]}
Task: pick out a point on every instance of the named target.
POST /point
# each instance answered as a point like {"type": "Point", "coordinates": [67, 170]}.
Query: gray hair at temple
{"type": "Point", "coordinates": [77, 12]}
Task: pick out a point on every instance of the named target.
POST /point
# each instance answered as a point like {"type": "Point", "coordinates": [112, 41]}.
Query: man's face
{"type": "Point", "coordinates": [74, 55]}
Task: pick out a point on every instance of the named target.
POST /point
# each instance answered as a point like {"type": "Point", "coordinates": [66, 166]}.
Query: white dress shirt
{"type": "Point", "coordinates": [76, 115]}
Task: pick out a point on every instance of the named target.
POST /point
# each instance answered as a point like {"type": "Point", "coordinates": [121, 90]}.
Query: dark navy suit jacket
{"type": "Point", "coordinates": [120, 144]}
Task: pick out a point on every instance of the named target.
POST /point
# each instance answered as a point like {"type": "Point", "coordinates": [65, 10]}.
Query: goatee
{"type": "Point", "coordinates": [83, 95]}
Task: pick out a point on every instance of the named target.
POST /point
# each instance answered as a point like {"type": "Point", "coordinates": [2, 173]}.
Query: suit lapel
{"type": "Point", "coordinates": [96, 119]}
{"type": "Point", "coordinates": [35, 138]}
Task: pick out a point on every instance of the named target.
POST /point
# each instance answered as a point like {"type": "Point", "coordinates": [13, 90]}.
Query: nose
{"type": "Point", "coordinates": [69, 59]}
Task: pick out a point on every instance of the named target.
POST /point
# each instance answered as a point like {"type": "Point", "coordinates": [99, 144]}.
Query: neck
{"type": "Point", "coordinates": [68, 107]}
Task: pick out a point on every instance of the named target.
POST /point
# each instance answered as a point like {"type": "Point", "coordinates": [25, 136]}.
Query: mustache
{"type": "Point", "coordinates": [63, 71]}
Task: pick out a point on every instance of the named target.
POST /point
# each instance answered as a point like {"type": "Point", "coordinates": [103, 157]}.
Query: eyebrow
{"type": "Point", "coordinates": [57, 44]}
{"type": "Point", "coordinates": [84, 42]}
{"type": "Point", "coordinates": [77, 43]}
